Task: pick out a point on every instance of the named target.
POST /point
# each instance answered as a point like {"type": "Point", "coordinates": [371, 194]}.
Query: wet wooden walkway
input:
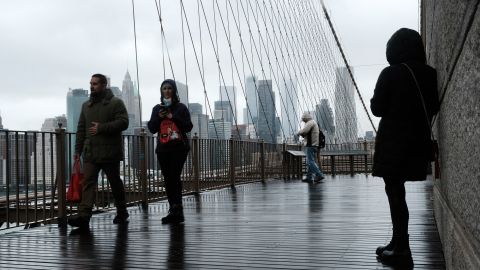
{"type": "Point", "coordinates": [336, 224]}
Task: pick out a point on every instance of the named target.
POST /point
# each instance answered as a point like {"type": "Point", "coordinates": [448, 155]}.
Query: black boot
{"type": "Point", "coordinates": [79, 221]}
{"type": "Point", "coordinates": [400, 255]}
{"type": "Point", "coordinates": [175, 215]}
{"type": "Point", "coordinates": [121, 217]}
{"type": "Point", "coordinates": [390, 246]}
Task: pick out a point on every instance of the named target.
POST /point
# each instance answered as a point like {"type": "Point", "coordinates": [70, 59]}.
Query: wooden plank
{"type": "Point", "coordinates": [336, 224]}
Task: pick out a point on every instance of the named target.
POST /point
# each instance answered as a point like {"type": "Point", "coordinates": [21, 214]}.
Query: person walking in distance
{"type": "Point", "coordinates": [171, 120]}
{"type": "Point", "coordinates": [99, 141]}
{"type": "Point", "coordinates": [406, 99]}
{"type": "Point", "coordinates": [310, 133]}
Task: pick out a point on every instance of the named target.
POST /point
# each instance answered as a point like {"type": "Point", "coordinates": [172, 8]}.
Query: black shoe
{"type": "Point", "coordinates": [121, 218]}
{"type": "Point", "coordinates": [79, 221]}
{"type": "Point", "coordinates": [397, 258]}
{"type": "Point", "coordinates": [307, 180]}
{"type": "Point", "coordinates": [175, 215]}
{"type": "Point", "coordinates": [399, 255]}
{"type": "Point", "coordinates": [319, 178]}
{"type": "Point", "coordinates": [389, 247]}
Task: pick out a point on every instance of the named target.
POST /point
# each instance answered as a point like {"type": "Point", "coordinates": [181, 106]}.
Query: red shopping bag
{"type": "Point", "coordinates": [74, 192]}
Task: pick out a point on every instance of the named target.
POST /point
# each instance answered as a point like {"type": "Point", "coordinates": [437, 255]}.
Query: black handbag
{"type": "Point", "coordinates": [434, 152]}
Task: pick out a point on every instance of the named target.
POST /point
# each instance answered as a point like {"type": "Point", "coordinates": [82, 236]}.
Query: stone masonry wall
{"type": "Point", "coordinates": [451, 30]}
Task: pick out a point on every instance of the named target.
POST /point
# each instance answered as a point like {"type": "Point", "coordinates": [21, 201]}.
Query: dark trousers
{"type": "Point", "coordinates": [395, 189]}
{"type": "Point", "coordinates": [171, 164]}
{"type": "Point", "coordinates": [90, 182]}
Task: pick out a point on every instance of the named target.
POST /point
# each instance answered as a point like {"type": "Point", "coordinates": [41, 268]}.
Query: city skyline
{"type": "Point", "coordinates": [108, 48]}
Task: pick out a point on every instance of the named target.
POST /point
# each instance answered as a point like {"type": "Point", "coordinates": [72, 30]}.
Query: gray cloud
{"type": "Point", "coordinates": [50, 46]}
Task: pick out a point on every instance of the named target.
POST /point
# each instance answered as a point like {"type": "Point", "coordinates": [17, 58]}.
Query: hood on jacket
{"type": "Point", "coordinates": [306, 117]}
{"type": "Point", "coordinates": [405, 45]}
{"type": "Point", "coordinates": [175, 98]}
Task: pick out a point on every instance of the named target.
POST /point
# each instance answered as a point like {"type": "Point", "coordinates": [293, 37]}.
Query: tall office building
{"type": "Point", "coordinates": [219, 129]}
{"type": "Point", "coordinates": [223, 111]}
{"type": "Point", "coordinates": [182, 90]}
{"type": "Point", "coordinates": [17, 154]}
{"type": "Point", "coordinates": [132, 103]}
{"type": "Point", "coordinates": [75, 99]}
{"type": "Point", "coordinates": [229, 94]}
{"type": "Point", "coordinates": [50, 124]}
{"type": "Point", "coordinates": [325, 120]}
{"type": "Point", "coordinates": [289, 109]}
{"type": "Point", "coordinates": [217, 152]}
{"type": "Point", "coordinates": [1, 125]}
{"type": "Point", "coordinates": [116, 92]}
{"type": "Point", "coordinates": [195, 108]}
{"type": "Point", "coordinates": [266, 126]}
{"type": "Point", "coordinates": [199, 121]}
{"type": "Point", "coordinates": [46, 154]}
{"type": "Point", "coordinates": [252, 99]}
{"type": "Point", "coordinates": [345, 111]}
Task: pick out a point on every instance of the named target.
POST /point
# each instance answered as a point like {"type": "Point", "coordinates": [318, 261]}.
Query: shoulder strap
{"type": "Point", "coordinates": [421, 97]}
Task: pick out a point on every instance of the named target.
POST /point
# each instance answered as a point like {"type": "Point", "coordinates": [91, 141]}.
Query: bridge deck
{"type": "Point", "coordinates": [272, 225]}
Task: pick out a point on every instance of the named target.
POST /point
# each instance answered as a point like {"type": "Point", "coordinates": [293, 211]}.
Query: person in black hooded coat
{"type": "Point", "coordinates": [402, 146]}
{"type": "Point", "coordinates": [172, 155]}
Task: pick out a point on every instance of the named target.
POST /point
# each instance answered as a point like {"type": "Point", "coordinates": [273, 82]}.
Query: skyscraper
{"type": "Point", "coordinates": [75, 99]}
{"type": "Point", "coordinates": [20, 149]}
{"type": "Point", "coordinates": [199, 121]}
{"type": "Point", "coordinates": [345, 111]}
{"type": "Point", "coordinates": [50, 124]}
{"type": "Point", "coordinates": [195, 108]}
{"type": "Point", "coordinates": [1, 125]}
{"type": "Point", "coordinates": [132, 103]}
{"type": "Point", "coordinates": [223, 111]}
{"type": "Point", "coordinates": [252, 100]}
{"type": "Point", "coordinates": [229, 94]}
{"type": "Point", "coordinates": [116, 92]}
{"type": "Point", "coordinates": [325, 120]}
{"type": "Point", "coordinates": [289, 113]}
{"type": "Point", "coordinates": [182, 90]}
{"type": "Point", "coordinates": [47, 150]}
{"type": "Point", "coordinates": [219, 129]}
{"type": "Point", "coordinates": [266, 127]}
{"type": "Point", "coordinates": [217, 152]}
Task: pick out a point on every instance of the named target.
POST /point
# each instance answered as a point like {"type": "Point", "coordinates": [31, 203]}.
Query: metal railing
{"type": "Point", "coordinates": [35, 169]}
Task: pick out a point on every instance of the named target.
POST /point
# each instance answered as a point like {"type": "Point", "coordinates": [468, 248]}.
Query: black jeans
{"type": "Point", "coordinates": [395, 189]}
{"type": "Point", "coordinates": [171, 164]}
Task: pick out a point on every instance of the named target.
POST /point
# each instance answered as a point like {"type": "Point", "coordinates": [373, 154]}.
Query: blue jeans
{"type": "Point", "coordinates": [312, 167]}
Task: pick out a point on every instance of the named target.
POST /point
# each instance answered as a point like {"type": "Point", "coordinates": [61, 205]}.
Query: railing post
{"type": "Point", "coordinates": [350, 158]}
{"type": "Point", "coordinates": [332, 164]}
{"type": "Point", "coordinates": [196, 163]}
{"type": "Point", "coordinates": [262, 160]}
{"type": "Point", "coordinates": [284, 160]}
{"type": "Point", "coordinates": [61, 176]}
{"type": "Point", "coordinates": [232, 162]}
{"type": "Point", "coordinates": [143, 167]}
{"type": "Point", "coordinates": [365, 157]}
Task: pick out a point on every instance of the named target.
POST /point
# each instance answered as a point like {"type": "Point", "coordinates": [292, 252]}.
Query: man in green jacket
{"type": "Point", "coordinates": [99, 139]}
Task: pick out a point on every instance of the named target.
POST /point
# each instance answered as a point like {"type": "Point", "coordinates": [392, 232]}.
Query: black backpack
{"type": "Point", "coordinates": [321, 139]}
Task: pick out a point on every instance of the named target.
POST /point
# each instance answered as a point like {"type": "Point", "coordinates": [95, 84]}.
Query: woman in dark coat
{"type": "Point", "coordinates": [172, 152]}
{"type": "Point", "coordinates": [402, 147]}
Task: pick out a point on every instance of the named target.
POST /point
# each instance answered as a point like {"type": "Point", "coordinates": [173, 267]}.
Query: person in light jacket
{"type": "Point", "coordinates": [310, 132]}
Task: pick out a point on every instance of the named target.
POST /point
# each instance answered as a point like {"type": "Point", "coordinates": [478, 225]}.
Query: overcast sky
{"type": "Point", "coordinates": [49, 46]}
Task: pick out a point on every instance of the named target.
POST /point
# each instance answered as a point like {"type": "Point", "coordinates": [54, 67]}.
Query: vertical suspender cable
{"type": "Point", "coordinates": [136, 61]}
